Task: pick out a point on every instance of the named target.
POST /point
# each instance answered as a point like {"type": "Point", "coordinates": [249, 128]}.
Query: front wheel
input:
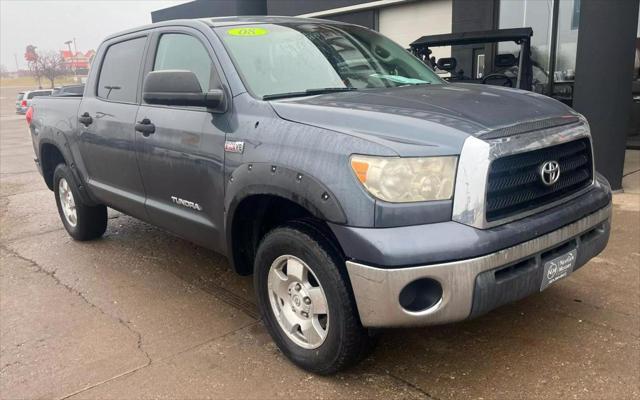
{"type": "Point", "coordinates": [305, 300]}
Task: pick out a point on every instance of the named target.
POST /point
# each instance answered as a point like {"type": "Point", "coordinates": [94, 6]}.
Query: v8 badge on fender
{"type": "Point", "coordinates": [233, 147]}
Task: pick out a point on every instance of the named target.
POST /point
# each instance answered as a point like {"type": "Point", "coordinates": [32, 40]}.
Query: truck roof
{"type": "Point", "coordinates": [225, 21]}
{"type": "Point", "coordinates": [260, 19]}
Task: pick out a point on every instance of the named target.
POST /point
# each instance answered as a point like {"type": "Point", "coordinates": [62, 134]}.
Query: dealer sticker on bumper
{"type": "Point", "coordinates": [558, 268]}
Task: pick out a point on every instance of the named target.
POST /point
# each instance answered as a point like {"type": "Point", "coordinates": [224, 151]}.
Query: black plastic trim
{"type": "Point", "coordinates": [404, 214]}
{"type": "Point", "coordinates": [516, 281]}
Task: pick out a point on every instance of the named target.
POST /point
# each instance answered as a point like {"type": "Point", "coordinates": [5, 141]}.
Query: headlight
{"type": "Point", "coordinates": [403, 180]}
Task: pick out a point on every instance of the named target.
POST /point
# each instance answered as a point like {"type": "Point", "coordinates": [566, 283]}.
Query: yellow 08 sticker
{"type": "Point", "coordinates": [247, 31]}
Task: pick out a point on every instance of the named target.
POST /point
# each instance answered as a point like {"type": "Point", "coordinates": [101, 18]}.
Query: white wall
{"type": "Point", "coordinates": [407, 22]}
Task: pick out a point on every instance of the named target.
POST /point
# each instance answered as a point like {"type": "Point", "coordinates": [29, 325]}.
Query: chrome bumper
{"type": "Point", "coordinates": [377, 290]}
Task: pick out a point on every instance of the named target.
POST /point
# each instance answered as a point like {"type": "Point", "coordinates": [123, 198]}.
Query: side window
{"type": "Point", "coordinates": [180, 51]}
{"type": "Point", "coordinates": [38, 94]}
{"type": "Point", "coordinates": [118, 79]}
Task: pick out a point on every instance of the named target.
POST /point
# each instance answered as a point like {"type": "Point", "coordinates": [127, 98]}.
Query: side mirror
{"type": "Point", "coordinates": [180, 88]}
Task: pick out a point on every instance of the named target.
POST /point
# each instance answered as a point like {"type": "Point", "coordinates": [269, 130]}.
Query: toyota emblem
{"type": "Point", "coordinates": [550, 172]}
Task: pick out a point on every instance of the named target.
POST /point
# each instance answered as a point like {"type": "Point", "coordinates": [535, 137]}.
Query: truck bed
{"type": "Point", "coordinates": [59, 113]}
{"type": "Point", "coordinates": [53, 116]}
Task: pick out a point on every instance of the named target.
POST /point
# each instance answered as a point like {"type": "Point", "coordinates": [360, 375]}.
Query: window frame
{"type": "Point", "coordinates": [217, 80]}
{"type": "Point", "coordinates": [107, 45]}
{"type": "Point", "coordinates": [212, 74]}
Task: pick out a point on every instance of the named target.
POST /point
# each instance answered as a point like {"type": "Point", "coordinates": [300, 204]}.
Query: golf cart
{"type": "Point", "coordinates": [506, 69]}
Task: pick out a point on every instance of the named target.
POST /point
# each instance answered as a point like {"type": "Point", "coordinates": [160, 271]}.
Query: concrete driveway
{"type": "Point", "coordinates": [143, 314]}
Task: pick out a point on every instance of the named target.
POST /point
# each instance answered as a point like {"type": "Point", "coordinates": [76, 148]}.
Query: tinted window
{"type": "Point", "coordinates": [119, 73]}
{"type": "Point", "coordinates": [178, 51]}
{"type": "Point", "coordinates": [38, 94]}
{"type": "Point", "coordinates": [75, 89]}
{"type": "Point", "coordinates": [71, 90]}
{"type": "Point", "coordinates": [20, 96]}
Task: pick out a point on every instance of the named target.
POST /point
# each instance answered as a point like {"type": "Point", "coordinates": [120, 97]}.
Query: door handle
{"type": "Point", "coordinates": [85, 119]}
{"type": "Point", "coordinates": [145, 127]}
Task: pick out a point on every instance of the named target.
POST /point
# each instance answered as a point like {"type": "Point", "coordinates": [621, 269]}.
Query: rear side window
{"type": "Point", "coordinates": [74, 89]}
{"type": "Point", "coordinates": [179, 51]}
{"type": "Point", "coordinates": [118, 79]}
{"type": "Point", "coordinates": [38, 94]}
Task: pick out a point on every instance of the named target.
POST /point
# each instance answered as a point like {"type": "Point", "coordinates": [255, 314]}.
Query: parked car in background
{"type": "Point", "coordinates": [360, 189]}
{"type": "Point", "coordinates": [69, 90]}
{"type": "Point", "coordinates": [23, 101]}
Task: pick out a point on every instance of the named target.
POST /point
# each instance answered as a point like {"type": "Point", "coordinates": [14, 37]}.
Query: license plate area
{"type": "Point", "coordinates": [559, 264]}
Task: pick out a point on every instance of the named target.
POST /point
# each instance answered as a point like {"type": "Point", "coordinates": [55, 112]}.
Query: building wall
{"type": "Point", "coordinates": [207, 8]}
{"type": "Point", "coordinates": [367, 18]}
{"type": "Point", "coordinates": [604, 67]}
{"type": "Point", "coordinates": [298, 7]}
{"type": "Point", "coordinates": [480, 17]}
{"type": "Point", "coordinates": [407, 22]}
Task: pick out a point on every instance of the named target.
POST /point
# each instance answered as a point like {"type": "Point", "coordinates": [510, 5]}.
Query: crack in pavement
{"type": "Point", "coordinates": [140, 348]}
{"type": "Point", "coordinates": [17, 173]}
{"type": "Point", "coordinates": [32, 235]}
{"type": "Point", "coordinates": [134, 370]}
{"type": "Point", "coordinates": [72, 290]}
{"type": "Point", "coordinates": [7, 196]}
{"type": "Point", "coordinates": [219, 292]}
{"type": "Point", "coordinates": [89, 387]}
{"type": "Point", "coordinates": [413, 386]}
{"type": "Point", "coordinates": [210, 340]}
{"type": "Point", "coordinates": [14, 194]}
{"type": "Point", "coordinates": [6, 366]}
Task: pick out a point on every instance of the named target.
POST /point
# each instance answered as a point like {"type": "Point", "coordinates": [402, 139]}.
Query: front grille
{"type": "Point", "coordinates": [514, 184]}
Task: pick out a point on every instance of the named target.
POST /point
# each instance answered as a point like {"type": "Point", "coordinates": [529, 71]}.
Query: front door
{"type": "Point", "coordinates": [181, 158]}
{"type": "Point", "coordinates": [106, 121]}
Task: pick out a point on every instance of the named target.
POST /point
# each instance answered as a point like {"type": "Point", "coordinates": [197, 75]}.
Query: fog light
{"type": "Point", "coordinates": [420, 295]}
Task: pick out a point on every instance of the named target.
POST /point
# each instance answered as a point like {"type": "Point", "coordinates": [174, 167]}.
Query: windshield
{"type": "Point", "coordinates": [297, 57]}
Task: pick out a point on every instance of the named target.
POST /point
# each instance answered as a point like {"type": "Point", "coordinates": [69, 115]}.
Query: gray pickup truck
{"type": "Point", "coordinates": [359, 189]}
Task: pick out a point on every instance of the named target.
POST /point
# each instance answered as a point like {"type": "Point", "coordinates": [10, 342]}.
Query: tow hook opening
{"type": "Point", "coordinates": [420, 295]}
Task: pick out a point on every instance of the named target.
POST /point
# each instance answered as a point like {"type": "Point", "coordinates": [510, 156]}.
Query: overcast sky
{"type": "Point", "coordinates": [47, 24]}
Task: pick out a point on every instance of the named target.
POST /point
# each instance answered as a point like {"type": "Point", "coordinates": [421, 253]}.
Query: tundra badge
{"type": "Point", "coordinates": [186, 203]}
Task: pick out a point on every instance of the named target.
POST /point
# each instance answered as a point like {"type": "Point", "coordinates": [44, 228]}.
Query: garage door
{"type": "Point", "coordinates": [406, 23]}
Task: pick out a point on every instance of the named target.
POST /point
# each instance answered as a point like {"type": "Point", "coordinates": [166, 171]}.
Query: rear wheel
{"type": "Point", "coordinates": [81, 221]}
{"type": "Point", "coordinates": [305, 300]}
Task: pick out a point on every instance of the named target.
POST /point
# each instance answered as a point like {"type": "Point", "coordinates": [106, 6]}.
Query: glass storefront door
{"type": "Point", "coordinates": [536, 14]}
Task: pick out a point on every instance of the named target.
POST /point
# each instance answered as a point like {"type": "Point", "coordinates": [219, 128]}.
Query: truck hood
{"type": "Point", "coordinates": [408, 119]}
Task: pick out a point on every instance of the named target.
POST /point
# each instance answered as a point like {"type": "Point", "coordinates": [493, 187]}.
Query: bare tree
{"type": "Point", "coordinates": [51, 65]}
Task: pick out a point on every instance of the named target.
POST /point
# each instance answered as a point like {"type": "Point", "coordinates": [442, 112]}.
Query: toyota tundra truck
{"type": "Point", "coordinates": [360, 189]}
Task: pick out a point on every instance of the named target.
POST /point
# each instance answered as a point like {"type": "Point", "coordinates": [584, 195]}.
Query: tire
{"type": "Point", "coordinates": [345, 341]}
{"type": "Point", "coordinates": [88, 222]}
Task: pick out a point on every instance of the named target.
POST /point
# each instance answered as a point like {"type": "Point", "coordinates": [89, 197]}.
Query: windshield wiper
{"type": "Point", "coordinates": [308, 92]}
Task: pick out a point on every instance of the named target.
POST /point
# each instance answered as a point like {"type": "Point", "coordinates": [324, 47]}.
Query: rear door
{"type": "Point", "coordinates": [107, 116]}
{"type": "Point", "coordinates": [182, 161]}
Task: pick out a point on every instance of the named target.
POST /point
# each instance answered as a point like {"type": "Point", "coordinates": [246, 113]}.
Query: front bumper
{"type": "Point", "coordinates": [476, 285]}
